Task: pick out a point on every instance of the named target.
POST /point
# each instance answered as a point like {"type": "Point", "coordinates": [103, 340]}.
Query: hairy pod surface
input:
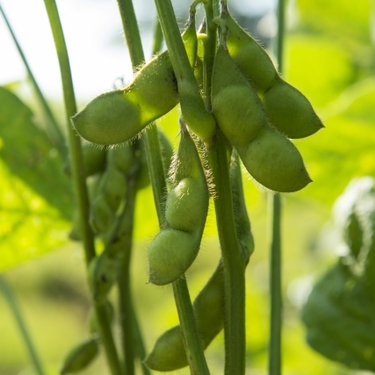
{"type": "Point", "coordinates": [274, 162]}
{"type": "Point", "coordinates": [170, 253]}
{"type": "Point", "coordinates": [289, 111]}
{"type": "Point", "coordinates": [249, 56]}
{"type": "Point", "coordinates": [80, 356]}
{"type": "Point", "coordinates": [117, 116]}
{"type": "Point", "coordinates": [169, 353]}
{"type": "Point", "coordinates": [176, 246]}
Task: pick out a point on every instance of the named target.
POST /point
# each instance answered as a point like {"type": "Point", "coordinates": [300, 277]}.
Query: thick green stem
{"type": "Point", "coordinates": [234, 275]}
{"type": "Point", "coordinates": [53, 129]}
{"type": "Point", "coordinates": [12, 302]}
{"type": "Point", "coordinates": [183, 303]}
{"type": "Point", "coordinates": [276, 303]}
{"type": "Point", "coordinates": [78, 176]}
{"type": "Point", "coordinates": [275, 288]}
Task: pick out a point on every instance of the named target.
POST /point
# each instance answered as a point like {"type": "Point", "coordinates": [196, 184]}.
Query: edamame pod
{"type": "Point", "coordinates": [176, 246]}
{"type": "Point", "coordinates": [274, 162]}
{"type": "Point", "coordinates": [169, 353]}
{"type": "Point", "coordinates": [117, 116]}
{"type": "Point", "coordinates": [289, 111]}
{"type": "Point", "coordinates": [267, 155]}
{"type": "Point", "coordinates": [80, 356]}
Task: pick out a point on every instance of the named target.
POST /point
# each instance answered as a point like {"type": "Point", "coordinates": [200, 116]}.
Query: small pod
{"type": "Point", "coordinates": [103, 272]}
{"type": "Point", "coordinates": [176, 246]}
{"type": "Point", "coordinates": [93, 322]}
{"type": "Point", "coordinates": [169, 353]}
{"type": "Point", "coordinates": [289, 111]}
{"type": "Point", "coordinates": [101, 215]}
{"type": "Point", "coordinates": [80, 356]}
{"type": "Point", "coordinates": [121, 158]}
{"type": "Point", "coordinates": [117, 116]}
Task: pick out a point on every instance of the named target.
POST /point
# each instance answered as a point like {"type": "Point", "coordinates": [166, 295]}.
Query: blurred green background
{"type": "Point", "coordinates": [329, 56]}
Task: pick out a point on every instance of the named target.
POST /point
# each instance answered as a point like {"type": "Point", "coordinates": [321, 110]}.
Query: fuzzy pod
{"type": "Point", "coordinates": [80, 356]}
{"type": "Point", "coordinates": [117, 116]}
{"type": "Point", "coordinates": [102, 274]}
{"type": "Point", "coordinates": [113, 186]}
{"type": "Point", "coordinates": [249, 56]}
{"type": "Point", "coordinates": [169, 353]}
{"type": "Point", "coordinates": [194, 111]}
{"type": "Point", "coordinates": [289, 111]}
{"type": "Point", "coordinates": [94, 160]}
{"type": "Point", "coordinates": [101, 215]}
{"type": "Point", "coordinates": [273, 161]}
{"type": "Point", "coordinates": [186, 206]}
{"type": "Point", "coordinates": [236, 106]}
{"type": "Point", "coordinates": [170, 254]}
{"type": "Point", "coordinates": [176, 246]}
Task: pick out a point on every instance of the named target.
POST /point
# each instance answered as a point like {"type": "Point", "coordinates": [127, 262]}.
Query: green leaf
{"type": "Point", "coordinates": [35, 197]}
{"type": "Point", "coordinates": [339, 316]}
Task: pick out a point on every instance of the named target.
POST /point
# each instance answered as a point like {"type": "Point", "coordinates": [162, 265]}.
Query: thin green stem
{"type": "Point", "coordinates": [196, 360]}
{"type": "Point", "coordinates": [275, 288]}
{"type": "Point", "coordinates": [53, 129]}
{"type": "Point", "coordinates": [125, 303]}
{"type": "Point", "coordinates": [78, 176]}
{"type": "Point", "coordinates": [12, 302]}
{"type": "Point", "coordinates": [275, 351]}
{"type": "Point", "coordinates": [234, 265]}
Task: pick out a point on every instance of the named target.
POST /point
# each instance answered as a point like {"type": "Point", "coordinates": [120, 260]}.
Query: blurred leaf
{"type": "Point", "coordinates": [339, 316]}
{"type": "Point", "coordinates": [319, 67]}
{"type": "Point", "coordinates": [342, 19]}
{"type": "Point", "coordinates": [35, 197]}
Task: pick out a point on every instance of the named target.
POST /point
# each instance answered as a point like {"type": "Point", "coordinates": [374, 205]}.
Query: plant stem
{"type": "Point", "coordinates": [12, 302]}
{"type": "Point", "coordinates": [274, 363]}
{"type": "Point", "coordinates": [125, 303]}
{"type": "Point", "coordinates": [55, 134]}
{"type": "Point", "coordinates": [234, 265]}
{"type": "Point", "coordinates": [78, 177]}
{"type": "Point", "coordinates": [191, 338]}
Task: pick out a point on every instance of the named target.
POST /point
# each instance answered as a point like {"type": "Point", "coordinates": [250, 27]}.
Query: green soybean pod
{"type": "Point", "coordinates": [236, 106]}
{"type": "Point", "coordinates": [169, 353]}
{"type": "Point", "coordinates": [176, 246]}
{"type": "Point", "coordinates": [121, 158]}
{"type": "Point", "coordinates": [249, 56]}
{"type": "Point", "coordinates": [93, 322]}
{"type": "Point", "coordinates": [103, 272]}
{"type": "Point", "coordinates": [101, 215]}
{"type": "Point", "coordinates": [94, 160]}
{"type": "Point", "coordinates": [274, 162]}
{"type": "Point", "coordinates": [288, 109]}
{"type": "Point", "coordinates": [117, 116]}
{"type": "Point", "coordinates": [80, 356]}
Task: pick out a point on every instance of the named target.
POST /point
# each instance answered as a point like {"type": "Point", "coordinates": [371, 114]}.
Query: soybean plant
{"type": "Point", "coordinates": [234, 108]}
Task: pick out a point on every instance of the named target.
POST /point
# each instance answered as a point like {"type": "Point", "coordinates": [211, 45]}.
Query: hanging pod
{"type": "Point", "coordinates": [288, 110]}
{"type": "Point", "coordinates": [117, 116]}
{"type": "Point", "coordinates": [270, 158]}
{"type": "Point", "coordinates": [169, 353]}
{"type": "Point", "coordinates": [176, 246]}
